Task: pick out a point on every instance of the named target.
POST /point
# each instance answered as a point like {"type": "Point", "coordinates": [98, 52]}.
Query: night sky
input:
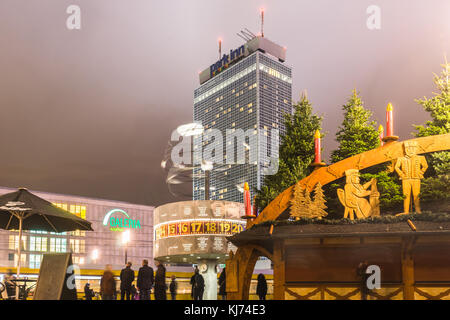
{"type": "Point", "coordinates": [89, 112]}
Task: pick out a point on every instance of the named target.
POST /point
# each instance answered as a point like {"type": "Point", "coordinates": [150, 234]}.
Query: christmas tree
{"type": "Point", "coordinates": [307, 212]}
{"type": "Point", "coordinates": [436, 184]}
{"type": "Point", "coordinates": [318, 207]}
{"type": "Point", "coordinates": [296, 152]}
{"type": "Point", "coordinates": [358, 134]}
{"type": "Point", "coordinates": [298, 201]}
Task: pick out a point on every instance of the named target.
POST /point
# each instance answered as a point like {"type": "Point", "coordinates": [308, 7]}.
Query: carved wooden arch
{"type": "Point", "coordinates": [246, 258]}
{"type": "Point", "coordinates": [325, 175]}
{"type": "Point", "coordinates": [247, 255]}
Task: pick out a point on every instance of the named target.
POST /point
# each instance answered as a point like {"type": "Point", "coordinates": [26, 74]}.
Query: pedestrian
{"type": "Point", "coordinates": [198, 285]}
{"type": "Point", "coordinates": [160, 282]}
{"type": "Point", "coordinates": [134, 294]}
{"type": "Point", "coordinates": [261, 287]}
{"type": "Point", "coordinates": [126, 279]}
{"type": "Point", "coordinates": [10, 285]}
{"type": "Point", "coordinates": [145, 281]}
{"type": "Point", "coordinates": [173, 288]}
{"type": "Point", "coordinates": [88, 292]}
{"type": "Point", "coordinates": [108, 284]}
{"type": "Point", "coordinates": [192, 283]}
{"type": "Point", "coordinates": [223, 285]}
{"type": "Point", "coordinates": [361, 272]}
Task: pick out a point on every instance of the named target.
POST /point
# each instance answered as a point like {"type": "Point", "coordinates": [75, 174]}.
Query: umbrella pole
{"type": "Point", "coordinates": [19, 251]}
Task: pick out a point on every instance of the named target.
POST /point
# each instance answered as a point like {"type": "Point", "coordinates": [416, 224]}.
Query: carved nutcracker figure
{"type": "Point", "coordinates": [353, 196]}
{"type": "Point", "coordinates": [410, 169]}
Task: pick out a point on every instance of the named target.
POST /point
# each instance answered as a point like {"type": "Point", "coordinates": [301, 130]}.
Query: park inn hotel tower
{"type": "Point", "coordinates": [250, 88]}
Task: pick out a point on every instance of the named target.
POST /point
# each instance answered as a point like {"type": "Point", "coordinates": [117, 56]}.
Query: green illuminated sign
{"type": "Point", "coordinates": [117, 223]}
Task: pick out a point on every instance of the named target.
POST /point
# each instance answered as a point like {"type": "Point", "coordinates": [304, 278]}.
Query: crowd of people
{"type": "Point", "coordinates": [148, 280]}
{"type": "Point", "coordinates": [145, 282]}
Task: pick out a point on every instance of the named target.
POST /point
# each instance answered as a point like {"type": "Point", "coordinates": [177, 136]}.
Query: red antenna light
{"type": "Point", "coordinates": [220, 48]}
{"type": "Point", "coordinates": [262, 21]}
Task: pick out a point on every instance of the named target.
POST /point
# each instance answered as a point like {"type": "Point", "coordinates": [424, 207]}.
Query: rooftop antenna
{"type": "Point", "coordinates": [249, 32]}
{"type": "Point", "coordinates": [242, 37]}
{"type": "Point", "coordinates": [262, 22]}
{"type": "Point", "coordinates": [220, 48]}
{"type": "Point", "coordinates": [245, 36]}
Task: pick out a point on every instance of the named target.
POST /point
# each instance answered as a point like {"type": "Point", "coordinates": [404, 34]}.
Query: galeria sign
{"type": "Point", "coordinates": [118, 219]}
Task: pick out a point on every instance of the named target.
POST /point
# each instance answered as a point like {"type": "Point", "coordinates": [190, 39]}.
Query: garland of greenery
{"type": "Point", "coordinates": [425, 216]}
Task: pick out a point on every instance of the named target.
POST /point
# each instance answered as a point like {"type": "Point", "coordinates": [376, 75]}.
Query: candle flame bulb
{"type": "Point", "coordinates": [317, 134]}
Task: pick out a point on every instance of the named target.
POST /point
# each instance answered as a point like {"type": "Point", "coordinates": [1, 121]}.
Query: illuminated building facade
{"type": "Point", "coordinates": [246, 92]}
{"type": "Point", "coordinates": [90, 249]}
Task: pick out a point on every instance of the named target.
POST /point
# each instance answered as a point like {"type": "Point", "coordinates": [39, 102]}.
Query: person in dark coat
{"type": "Point", "coordinates": [198, 285]}
{"type": "Point", "coordinates": [363, 276]}
{"type": "Point", "coordinates": [126, 279]}
{"type": "Point", "coordinates": [88, 292]}
{"type": "Point", "coordinates": [173, 288]}
{"type": "Point", "coordinates": [108, 284]}
{"type": "Point", "coordinates": [10, 285]}
{"type": "Point", "coordinates": [145, 281]}
{"type": "Point", "coordinates": [261, 287]}
{"type": "Point", "coordinates": [160, 282]}
{"type": "Point", "coordinates": [223, 285]}
{"type": "Point", "coordinates": [134, 295]}
{"type": "Point", "coordinates": [192, 283]}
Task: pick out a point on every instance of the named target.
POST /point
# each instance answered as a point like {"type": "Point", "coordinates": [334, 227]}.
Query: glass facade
{"type": "Point", "coordinates": [246, 100]}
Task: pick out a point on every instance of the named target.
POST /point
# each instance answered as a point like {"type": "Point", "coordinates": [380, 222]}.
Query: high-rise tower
{"type": "Point", "coordinates": [245, 93]}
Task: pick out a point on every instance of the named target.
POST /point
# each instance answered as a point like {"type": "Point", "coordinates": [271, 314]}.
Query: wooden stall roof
{"type": "Point", "coordinates": [259, 234]}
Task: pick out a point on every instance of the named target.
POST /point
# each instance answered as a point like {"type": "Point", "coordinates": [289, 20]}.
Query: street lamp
{"type": "Point", "coordinates": [95, 255]}
{"type": "Point", "coordinates": [125, 241]}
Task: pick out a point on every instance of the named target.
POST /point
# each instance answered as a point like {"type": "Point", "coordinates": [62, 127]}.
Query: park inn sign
{"type": "Point", "coordinates": [118, 223]}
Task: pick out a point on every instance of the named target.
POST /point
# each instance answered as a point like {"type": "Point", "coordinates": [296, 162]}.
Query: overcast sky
{"type": "Point", "coordinates": [89, 112]}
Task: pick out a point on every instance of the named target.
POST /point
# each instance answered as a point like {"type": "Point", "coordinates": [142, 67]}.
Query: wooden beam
{"type": "Point", "coordinates": [407, 261]}
{"type": "Point", "coordinates": [279, 270]}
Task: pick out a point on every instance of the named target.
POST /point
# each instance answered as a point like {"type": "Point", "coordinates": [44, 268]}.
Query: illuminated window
{"type": "Point", "coordinates": [75, 245]}
{"type": "Point", "coordinates": [78, 210]}
{"type": "Point", "coordinates": [35, 261]}
{"type": "Point", "coordinates": [23, 259]}
{"type": "Point", "coordinates": [38, 244]}
{"type": "Point", "coordinates": [58, 245]}
{"type": "Point", "coordinates": [14, 242]}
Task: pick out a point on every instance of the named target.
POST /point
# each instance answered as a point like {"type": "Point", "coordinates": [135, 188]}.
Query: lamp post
{"type": "Point", "coordinates": [125, 241]}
